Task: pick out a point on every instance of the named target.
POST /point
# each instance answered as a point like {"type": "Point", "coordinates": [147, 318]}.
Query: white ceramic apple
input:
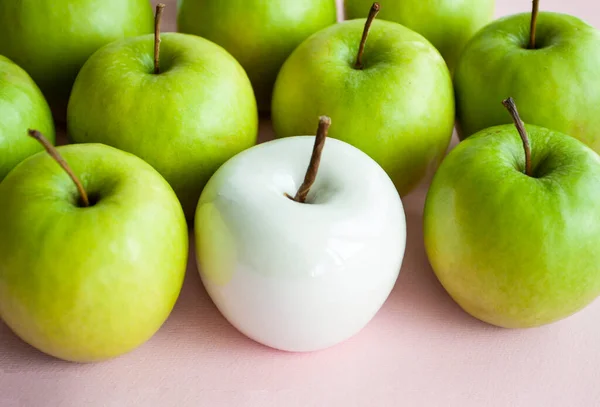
{"type": "Point", "coordinates": [300, 276]}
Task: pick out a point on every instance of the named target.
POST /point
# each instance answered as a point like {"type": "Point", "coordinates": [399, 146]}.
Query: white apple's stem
{"type": "Point", "coordinates": [361, 49]}
{"type": "Point", "coordinates": [315, 160]}
{"type": "Point", "coordinates": [158, 16]}
{"type": "Point", "coordinates": [58, 158]}
{"type": "Point", "coordinates": [534, 15]}
{"type": "Point", "coordinates": [512, 109]}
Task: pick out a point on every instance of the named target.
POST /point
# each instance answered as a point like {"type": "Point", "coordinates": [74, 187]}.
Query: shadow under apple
{"type": "Point", "coordinates": [418, 296]}
{"type": "Point", "coordinates": [196, 319]}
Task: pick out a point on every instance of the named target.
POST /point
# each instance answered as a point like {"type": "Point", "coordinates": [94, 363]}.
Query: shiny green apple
{"type": "Point", "coordinates": [259, 34]}
{"type": "Point", "coordinates": [555, 82]}
{"type": "Point", "coordinates": [447, 24]}
{"type": "Point", "coordinates": [88, 283]}
{"type": "Point", "coordinates": [516, 249]}
{"type": "Point", "coordinates": [186, 120]}
{"type": "Point", "coordinates": [396, 104]}
{"type": "Point", "coordinates": [22, 106]}
{"type": "Point", "coordinates": [51, 39]}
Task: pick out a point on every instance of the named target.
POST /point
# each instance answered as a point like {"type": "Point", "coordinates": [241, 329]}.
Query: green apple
{"type": "Point", "coordinates": [89, 282]}
{"type": "Point", "coordinates": [513, 236]}
{"type": "Point", "coordinates": [22, 106]}
{"type": "Point", "coordinates": [447, 24]}
{"type": "Point", "coordinates": [186, 120]}
{"type": "Point", "coordinates": [554, 80]}
{"type": "Point", "coordinates": [393, 100]}
{"type": "Point", "coordinates": [51, 39]}
{"type": "Point", "coordinates": [259, 34]}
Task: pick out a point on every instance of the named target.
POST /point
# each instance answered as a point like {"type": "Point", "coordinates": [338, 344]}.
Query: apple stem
{"type": "Point", "coordinates": [58, 158]}
{"type": "Point", "coordinates": [158, 16]}
{"type": "Point", "coordinates": [512, 109]}
{"type": "Point", "coordinates": [534, 16]}
{"type": "Point", "coordinates": [361, 49]}
{"type": "Point", "coordinates": [315, 160]}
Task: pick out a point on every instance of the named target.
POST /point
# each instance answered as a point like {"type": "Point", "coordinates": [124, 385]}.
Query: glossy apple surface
{"type": "Point", "coordinates": [185, 121]}
{"type": "Point", "coordinates": [447, 24]}
{"type": "Point", "coordinates": [89, 283]}
{"type": "Point", "coordinates": [556, 85]}
{"type": "Point", "coordinates": [514, 250]}
{"type": "Point", "coordinates": [22, 106]}
{"type": "Point", "coordinates": [399, 109]}
{"type": "Point", "coordinates": [299, 276]}
{"type": "Point", "coordinates": [51, 39]}
{"type": "Point", "coordinates": [259, 34]}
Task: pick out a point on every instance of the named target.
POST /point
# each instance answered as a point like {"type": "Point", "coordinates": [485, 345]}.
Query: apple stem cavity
{"type": "Point", "coordinates": [534, 16]}
{"type": "Point", "coordinates": [315, 160]}
{"type": "Point", "coordinates": [512, 109]}
{"type": "Point", "coordinates": [361, 49]}
{"type": "Point", "coordinates": [53, 152]}
{"type": "Point", "coordinates": [157, 18]}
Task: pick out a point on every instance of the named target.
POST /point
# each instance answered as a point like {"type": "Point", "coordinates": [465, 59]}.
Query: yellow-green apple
{"type": "Point", "coordinates": [547, 62]}
{"type": "Point", "coordinates": [511, 225]}
{"type": "Point", "coordinates": [180, 102]}
{"type": "Point", "coordinates": [391, 97]}
{"type": "Point", "coordinates": [22, 106]}
{"type": "Point", "coordinates": [51, 39]}
{"type": "Point", "coordinates": [92, 255]}
{"type": "Point", "coordinates": [259, 34]}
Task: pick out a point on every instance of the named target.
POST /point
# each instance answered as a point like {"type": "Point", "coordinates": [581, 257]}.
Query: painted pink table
{"type": "Point", "coordinates": [420, 350]}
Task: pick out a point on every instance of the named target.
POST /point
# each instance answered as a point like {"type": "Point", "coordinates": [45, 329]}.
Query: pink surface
{"type": "Point", "coordinates": [420, 350]}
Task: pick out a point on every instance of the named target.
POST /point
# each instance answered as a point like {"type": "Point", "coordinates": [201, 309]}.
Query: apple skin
{"type": "Point", "coordinates": [22, 106]}
{"type": "Point", "coordinates": [447, 24]}
{"type": "Point", "coordinates": [512, 250]}
{"type": "Point", "coordinates": [186, 121]}
{"type": "Point", "coordinates": [555, 87]}
{"type": "Point", "coordinates": [51, 39]}
{"type": "Point", "coordinates": [259, 34]}
{"type": "Point", "coordinates": [399, 109]}
{"type": "Point", "coordinates": [88, 284]}
{"type": "Point", "coordinates": [292, 276]}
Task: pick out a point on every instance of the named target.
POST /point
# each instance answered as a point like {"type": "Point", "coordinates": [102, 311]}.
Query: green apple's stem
{"type": "Point", "coordinates": [58, 158]}
{"type": "Point", "coordinates": [158, 16]}
{"type": "Point", "coordinates": [315, 160]}
{"type": "Point", "coordinates": [512, 109]}
{"type": "Point", "coordinates": [361, 49]}
{"type": "Point", "coordinates": [534, 16]}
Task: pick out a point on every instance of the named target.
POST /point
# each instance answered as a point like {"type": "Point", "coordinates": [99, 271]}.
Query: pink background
{"type": "Point", "coordinates": [420, 350]}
